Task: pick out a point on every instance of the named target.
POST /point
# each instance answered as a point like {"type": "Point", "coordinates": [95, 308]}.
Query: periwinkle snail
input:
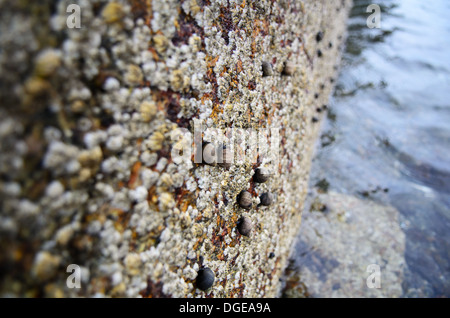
{"type": "Point", "coordinates": [245, 199]}
{"type": "Point", "coordinates": [266, 198]}
{"type": "Point", "coordinates": [261, 175]}
{"type": "Point", "coordinates": [267, 69]}
{"type": "Point", "coordinates": [205, 278]}
{"type": "Point", "coordinates": [245, 226]}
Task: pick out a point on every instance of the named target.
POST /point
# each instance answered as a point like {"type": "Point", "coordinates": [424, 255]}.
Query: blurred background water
{"type": "Point", "coordinates": [386, 138]}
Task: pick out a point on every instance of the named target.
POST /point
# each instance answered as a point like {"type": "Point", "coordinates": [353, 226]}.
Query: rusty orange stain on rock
{"type": "Point", "coordinates": [134, 175]}
{"type": "Point", "coordinates": [239, 67]}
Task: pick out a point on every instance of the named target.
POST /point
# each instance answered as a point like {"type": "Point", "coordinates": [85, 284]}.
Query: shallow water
{"type": "Point", "coordinates": [387, 135]}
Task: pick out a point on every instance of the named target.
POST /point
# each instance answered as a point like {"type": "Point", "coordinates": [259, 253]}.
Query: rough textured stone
{"type": "Point", "coordinates": [362, 234]}
{"type": "Point", "coordinates": [89, 120]}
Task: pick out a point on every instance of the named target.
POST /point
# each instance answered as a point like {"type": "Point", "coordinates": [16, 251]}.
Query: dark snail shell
{"type": "Point", "coordinates": [261, 175]}
{"type": "Point", "coordinates": [205, 278]}
{"type": "Point", "coordinates": [245, 199]}
{"type": "Point", "coordinates": [245, 226]}
{"type": "Point", "coordinates": [319, 36]}
{"type": "Point", "coordinates": [266, 198]}
{"type": "Point", "coordinates": [267, 69]}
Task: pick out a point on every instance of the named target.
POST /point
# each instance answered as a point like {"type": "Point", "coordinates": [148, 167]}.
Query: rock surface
{"type": "Point", "coordinates": [90, 118]}
{"type": "Point", "coordinates": [362, 233]}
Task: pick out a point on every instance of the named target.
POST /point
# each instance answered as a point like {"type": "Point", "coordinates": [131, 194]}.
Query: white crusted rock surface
{"type": "Point", "coordinates": [88, 121]}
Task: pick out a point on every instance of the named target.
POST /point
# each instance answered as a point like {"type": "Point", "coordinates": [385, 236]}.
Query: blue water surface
{"type": "Point", "coordinates": [387, 136]}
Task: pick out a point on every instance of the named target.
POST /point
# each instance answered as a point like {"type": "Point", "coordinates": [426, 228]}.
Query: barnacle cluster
{"type": "Point", "coordinates": [88, 118]}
